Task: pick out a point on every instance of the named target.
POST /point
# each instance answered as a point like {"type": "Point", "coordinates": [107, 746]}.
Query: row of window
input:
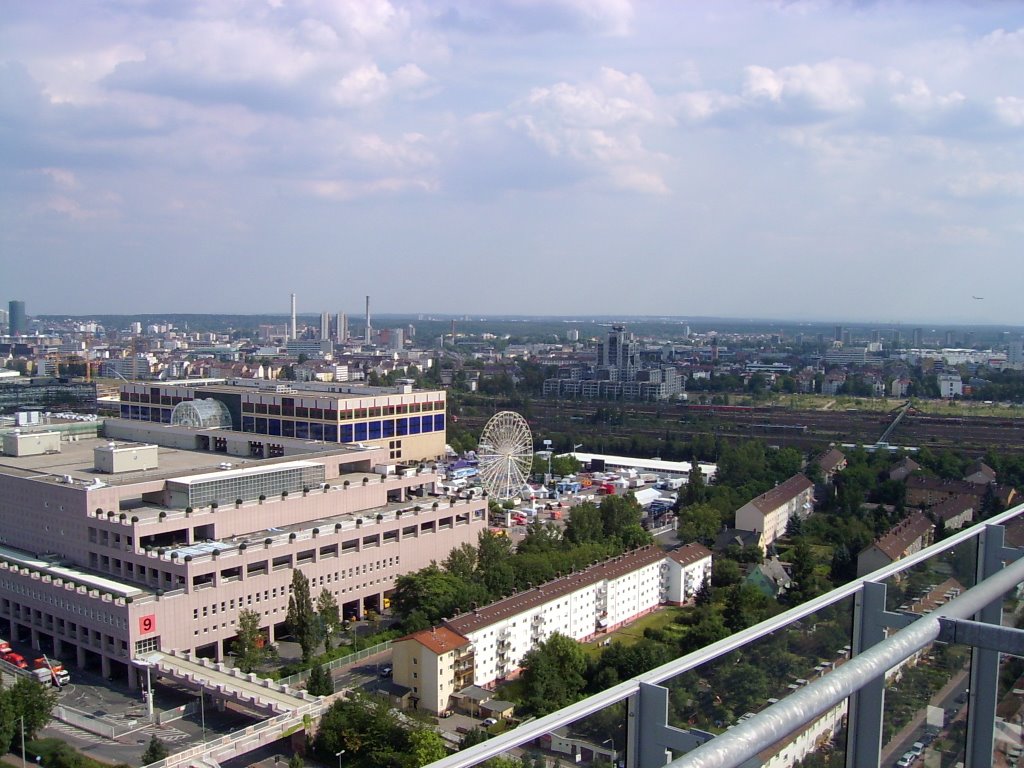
{"type": "Point", "coordinates": [329, 414]}
{"type": "Point", "coordinates": [313, 430]}
{"type": "Point", "coordinates": [345, 433]}
{"type": "Point", "coordinates": [52, 597]}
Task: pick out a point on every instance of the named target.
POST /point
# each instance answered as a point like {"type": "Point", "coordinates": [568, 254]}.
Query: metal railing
{"type": "Point", "coordinates": [365, 653]}
{"type": "Point", "coordinates": [801, 708]}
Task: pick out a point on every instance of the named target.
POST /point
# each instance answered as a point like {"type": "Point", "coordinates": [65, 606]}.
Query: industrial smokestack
{"type": "Point", "coordinates": [367, 319]}
{"type": "Point", "coordinates": [294, 329]}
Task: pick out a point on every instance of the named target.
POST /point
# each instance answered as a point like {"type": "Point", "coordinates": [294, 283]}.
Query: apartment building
{"type": "Point", "coordinates": [496, 637]}
{"type": "Point", "coordinates": [112, 549]}
{"type": "Point", "coordinates": [771, 512]}
{"type": "Point", "coordinates": [907, 537]}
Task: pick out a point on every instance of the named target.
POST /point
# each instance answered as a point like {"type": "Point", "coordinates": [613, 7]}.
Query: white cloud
{"type": "Point", "coordinates": [343, 190]}
{"type": "Point", "coordinates": [367, 84]}
{"type": "Point", "coordinates": [61, 178]}
{"type": "Point", "coordinates": [833, 86]}
{"type": "Point", "coordinates": [988, 184]}
{"type": "Point", "coordinates": [913, 95]}
{"type": "Point", "coordinates": [598, 124]}
{"type": "Point", "coordinates": [1010, 109]}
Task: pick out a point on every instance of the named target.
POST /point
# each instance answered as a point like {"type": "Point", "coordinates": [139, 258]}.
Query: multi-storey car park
{"type": "Point", "coordinates": [112, 549]}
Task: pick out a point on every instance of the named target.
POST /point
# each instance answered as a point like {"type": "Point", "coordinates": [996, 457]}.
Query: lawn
{"type": "Point", "coordinates": [634, 633]}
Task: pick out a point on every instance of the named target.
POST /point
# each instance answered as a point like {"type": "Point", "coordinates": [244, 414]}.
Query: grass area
{"type": "Point", "coordinates": [634, 633]}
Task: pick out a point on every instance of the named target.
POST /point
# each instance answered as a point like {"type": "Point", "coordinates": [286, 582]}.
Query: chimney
{"type": "Point", "coordinates": [367, 320]}
{"type": "Point", "coordinates": [294, 328]}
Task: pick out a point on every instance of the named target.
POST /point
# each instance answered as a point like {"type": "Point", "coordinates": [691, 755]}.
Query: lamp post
{"type": "Point", "coordinates": [338, 755]}
{"type": "Point", "coordinates": [149, 694]}
{"type": "Point", "coordinates": [23, 764]}
{"type": "Point", "coordinates": [148, 663]}
{"type": "Point", "coordinates": [202, 711]}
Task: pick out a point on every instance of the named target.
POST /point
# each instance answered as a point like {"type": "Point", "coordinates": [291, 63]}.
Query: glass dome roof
{"type": "Point", "coordinates": [203, 414]}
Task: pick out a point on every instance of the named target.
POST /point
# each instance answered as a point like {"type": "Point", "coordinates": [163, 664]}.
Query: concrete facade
{"type": "Point", "coordinates": [98, 569]}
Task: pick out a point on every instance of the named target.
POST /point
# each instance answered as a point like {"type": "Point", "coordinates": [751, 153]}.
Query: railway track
{"type": "Point", "coordinates": [803, 429]}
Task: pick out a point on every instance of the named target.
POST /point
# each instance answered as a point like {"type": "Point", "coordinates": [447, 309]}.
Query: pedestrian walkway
{"type": "Point", "coordinates": [230, 683]}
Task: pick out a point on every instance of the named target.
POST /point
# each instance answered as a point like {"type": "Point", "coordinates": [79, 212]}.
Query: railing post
{"type": "Point", "coordinates": [648, 734]}
{"type": "Point", "coordinates": [981, 710]}
{"type": "Point", "coordinates": [864, 740]}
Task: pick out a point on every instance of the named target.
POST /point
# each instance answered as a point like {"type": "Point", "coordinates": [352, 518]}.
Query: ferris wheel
{"type": "Point", "coordinates": [505, 454]}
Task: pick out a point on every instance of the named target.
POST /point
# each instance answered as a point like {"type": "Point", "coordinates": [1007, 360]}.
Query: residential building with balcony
{"type": "Point", "coordinates": [581, 605]}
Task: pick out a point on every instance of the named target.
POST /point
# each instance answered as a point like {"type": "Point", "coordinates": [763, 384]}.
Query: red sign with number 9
{"type": "Point", "coordinates": [147, 624]}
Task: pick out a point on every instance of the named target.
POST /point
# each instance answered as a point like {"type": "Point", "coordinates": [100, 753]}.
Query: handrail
{"type": "Point", "coordinates": [599, 701]}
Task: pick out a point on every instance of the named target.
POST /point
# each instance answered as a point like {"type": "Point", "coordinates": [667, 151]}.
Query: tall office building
{"type": "Point", "coordinates": [619, 354]}
{"type": "Point", "coordinates": [342, 328]}
{"type": "Point", "coordinates": [325, 325]}
{"type": "Point", "coordinates": [16, 318]}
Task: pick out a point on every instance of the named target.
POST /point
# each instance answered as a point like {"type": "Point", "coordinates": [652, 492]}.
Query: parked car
{"type": "Point", "coordinates": [489, 722]}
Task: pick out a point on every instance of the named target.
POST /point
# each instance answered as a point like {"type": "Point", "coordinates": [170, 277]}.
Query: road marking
{"type": "Point", "coordinates": [165, 734]}
{"type": "Point", "coordinates": [78, 733]}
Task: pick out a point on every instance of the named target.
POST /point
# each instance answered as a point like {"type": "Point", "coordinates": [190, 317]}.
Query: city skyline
{"type": "Point", "coordinates": [804, 161]}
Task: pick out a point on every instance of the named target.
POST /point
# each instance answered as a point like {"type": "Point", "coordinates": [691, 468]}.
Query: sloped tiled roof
{"type": "Point", "coordinates": [439, 640]}
{"type": "Point", "coordinates": [521, 602]}
{"type": "Point", "coordinates": [781, 493]}
{"type": "Point", "coordinates": [895, 542]}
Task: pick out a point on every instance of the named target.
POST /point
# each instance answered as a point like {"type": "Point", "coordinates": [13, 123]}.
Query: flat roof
{"type": "Point", "coordinates": [69, 573]}
{"type": "Point", "coordinates": [228, 474]}
{"type": "Point", "coordinates": [653, 465]}
{"type": "Point", "coordinates": [76, 460]}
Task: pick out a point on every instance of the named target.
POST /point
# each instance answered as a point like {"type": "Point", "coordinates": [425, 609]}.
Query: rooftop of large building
{"type": "Point", "coordinates": [76, 461]}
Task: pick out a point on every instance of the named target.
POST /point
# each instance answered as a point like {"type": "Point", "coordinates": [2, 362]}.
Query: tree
{"type": "Point", "coordinates": [553, 674]}
{"type": "Point", "coordinates": [249, 649]}
{"type": "Point", "coordinates": [494, 563]}
{"type": "Point", "coordinates": [33, 702]}
{"type": "Point", "coordinates": [696, 488]}
{"type": "Point", "coordinates": [330, 618]}
{"type": "Point", "coordinates": [296, 761]}
{"type": "Point", "coordinates": [699, 522]}
{"type": "Point", "coordinates": [155, 751]}
{"type": "Point", "coordinates": [585, 524]}
{"type": "Point", "coordinates": [319, 682]}
{"type": "Point", "coordinates": [565, 465]}
{"type": "Point", "coordinates": [425, 746]}
{"type": "Point", "coordinates": [8, 720]}
{"type": "Point", "coordinates": [461, 562]}
{"type": "Point", "coordinates": [301, 618]}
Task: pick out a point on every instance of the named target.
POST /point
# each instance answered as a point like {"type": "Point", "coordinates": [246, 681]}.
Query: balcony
{"type": "Point", "coordinates": [872, 655]}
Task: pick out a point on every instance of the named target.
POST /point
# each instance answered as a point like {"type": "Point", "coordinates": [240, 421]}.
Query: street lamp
{"type": "Point", "coordinates": [202, 711]}
{"type": "Point", "coordinates": [148, 664]}
{"type": "Point", "coordinates": [338, 755]}
{"type": "Point", "coordinates": [23, 764]}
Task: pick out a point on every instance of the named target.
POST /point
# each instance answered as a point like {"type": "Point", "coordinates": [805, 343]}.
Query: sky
{"type": "Point", "coordinates": [805, 160]}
